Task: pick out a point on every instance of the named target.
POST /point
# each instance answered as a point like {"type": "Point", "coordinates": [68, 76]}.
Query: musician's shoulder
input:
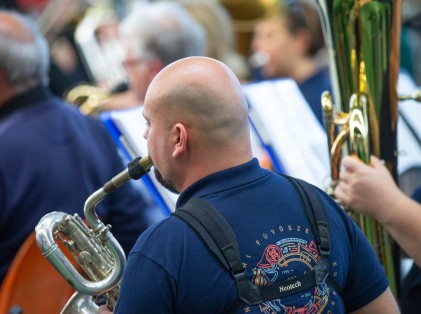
{"type": "Point", "coordinates": [168, 231]}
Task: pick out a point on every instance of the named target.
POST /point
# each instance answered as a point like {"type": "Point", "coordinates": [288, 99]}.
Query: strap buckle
{"type": "Point", "coordinates": [247, 291]}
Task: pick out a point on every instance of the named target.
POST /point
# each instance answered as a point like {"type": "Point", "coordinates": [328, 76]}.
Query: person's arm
{"type": "Point", "coordinates": [371, 190]}
{"type": "Point", "coordinates": [103, 310]}
{"type": "Point", "coordinates": [384, 304]}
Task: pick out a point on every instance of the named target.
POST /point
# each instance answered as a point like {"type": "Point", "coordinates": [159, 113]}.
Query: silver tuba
{"type": "Point", "coordinates": [362, 38]}
{"type": "Point", "coordinates": [92, 245]}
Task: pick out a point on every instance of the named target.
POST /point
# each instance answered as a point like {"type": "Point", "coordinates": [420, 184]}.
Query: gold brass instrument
{"type": "Point", "coordinates": [92, 100]}
{"type": "Point", "coordinates": [362, 38]}
{"type": "Point", "coordinates": [92, 245]}
{"type": "Point", "coordinates": [414, 96]}
{"type": "Point", "coordinates": [244, 15]}
{"type": "Point", "coordinates": [89, 98]}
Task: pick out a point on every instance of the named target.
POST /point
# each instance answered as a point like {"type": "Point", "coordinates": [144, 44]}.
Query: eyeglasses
{"type": "Point", "coordinates": [131, 63]}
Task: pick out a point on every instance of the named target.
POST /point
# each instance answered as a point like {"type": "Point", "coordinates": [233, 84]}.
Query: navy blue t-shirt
{"type": "Point", "coordinates": [417, 194]}
{"type": "Point", "coordinates": [312, 90]}
{"type": "Point", "coordinates": [170, 269]}
{"type": "Point", "coordinates": [410, 297]}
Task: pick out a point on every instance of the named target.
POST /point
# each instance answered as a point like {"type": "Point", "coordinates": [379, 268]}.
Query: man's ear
{"type": "Point", "coordinates": [179, 139]}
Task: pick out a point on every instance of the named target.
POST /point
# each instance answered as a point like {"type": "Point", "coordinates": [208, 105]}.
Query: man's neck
{"type": "Point", "coordinates": [7, 94]}
{"type": "Point", "coordinates": [8, 91]}
{"type": "Point", "coordinates": [202, 167]}
{"type": "Point", "coordinates": [305, 69]}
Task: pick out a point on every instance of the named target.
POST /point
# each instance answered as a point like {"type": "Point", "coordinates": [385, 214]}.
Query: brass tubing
{"type": "Point", "coordinates": [362, 38]}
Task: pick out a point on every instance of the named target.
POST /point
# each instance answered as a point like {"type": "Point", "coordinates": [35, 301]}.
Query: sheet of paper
{"type": "Point", "coordinates": [409, 127]}
{"type": "Point", "coordinates": [297, 137]}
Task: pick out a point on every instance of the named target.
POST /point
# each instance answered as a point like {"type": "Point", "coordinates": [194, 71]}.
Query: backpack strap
{"type": "Point", "coordinates": [316, 215]}
{"type": "Point", "coordinates": [221, 240]}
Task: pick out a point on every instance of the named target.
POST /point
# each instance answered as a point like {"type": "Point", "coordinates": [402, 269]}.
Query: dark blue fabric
{"type": "Point", "coordinates": [170, 270]}
{"type": "Point", "coordinates": [51, 159]}
{"type": "Point", "coordinates": [417, 194]}
{"type": "Point", "coordinates": [410, 298]}
{"type": "Point", "coordinates": [312, 90]}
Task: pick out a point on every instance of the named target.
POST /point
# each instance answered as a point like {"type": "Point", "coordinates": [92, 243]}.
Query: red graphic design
{"type": "Point", "coordinates": [271, 256]}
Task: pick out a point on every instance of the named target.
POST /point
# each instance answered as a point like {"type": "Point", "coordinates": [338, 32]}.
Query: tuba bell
{"type": "Point", "coordinates": [91, 244]}
{"type": "Point", "coordinates": [362, 38]}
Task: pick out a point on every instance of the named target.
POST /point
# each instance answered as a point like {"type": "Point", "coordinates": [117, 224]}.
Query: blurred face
{"type": "Point", "coordinates": [157, 134]}
{"type": "Point", "coordinates": [139, 73]}
{"type": "Point", "coordinates": [272, 37]}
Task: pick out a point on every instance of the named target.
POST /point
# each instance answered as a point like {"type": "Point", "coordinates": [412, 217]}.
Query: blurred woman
{"type": "Point", "coordinates": [290, 44]}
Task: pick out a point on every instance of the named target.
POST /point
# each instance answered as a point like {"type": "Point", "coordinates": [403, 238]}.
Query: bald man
{"type": "Point", "coordinates": [52, 157]}
{"type": "Point", "coordinates": [198, 138]}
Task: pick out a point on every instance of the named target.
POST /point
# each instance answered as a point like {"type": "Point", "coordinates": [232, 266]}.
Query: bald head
{"type": "Point", "coordinates": [197, 121]}
{"type": "Point", "coordinates": [14, 27]}
{"type": "Point", "coordinates": [204, 94]}
{"type": "Point", "coordinates": [24, 57]}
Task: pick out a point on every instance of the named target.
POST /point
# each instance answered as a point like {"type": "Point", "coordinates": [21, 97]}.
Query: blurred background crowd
{"type": "Point", "coordinates": [85, 45]}
{"type": "Point", "coordinates": [104, 53]}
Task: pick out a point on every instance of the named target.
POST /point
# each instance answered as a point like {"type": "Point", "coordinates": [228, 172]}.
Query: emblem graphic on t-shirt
{"type": "Point", "coordinates": [286, 258]}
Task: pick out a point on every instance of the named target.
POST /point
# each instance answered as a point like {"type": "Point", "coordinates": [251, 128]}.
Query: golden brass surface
{"type": "Point", "coordinates": [362, 38]}
{"type": "Point", "coordinates": [250, 11]}
{"type": "Point", "coordinates": [88, 98]}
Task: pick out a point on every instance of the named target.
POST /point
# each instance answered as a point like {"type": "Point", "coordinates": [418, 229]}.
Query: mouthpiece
{"type": "Point", "coordinates": [139, 166]}
{"type": "Point", "coordinates": [136, 169]}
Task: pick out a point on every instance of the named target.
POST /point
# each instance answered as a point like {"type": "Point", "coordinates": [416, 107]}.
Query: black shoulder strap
{"type": "Point", "coordinates": [220, 239]}
{"type": "Point", "coordinates": [316, 215]}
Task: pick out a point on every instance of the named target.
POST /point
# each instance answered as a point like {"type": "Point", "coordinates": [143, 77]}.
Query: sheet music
{"type": "Point", "coordinates": [409, 148]}
{"type": "Point", "coordinates": [295, 133]}
{"type": "Point", "coordinates": [132, 125]}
